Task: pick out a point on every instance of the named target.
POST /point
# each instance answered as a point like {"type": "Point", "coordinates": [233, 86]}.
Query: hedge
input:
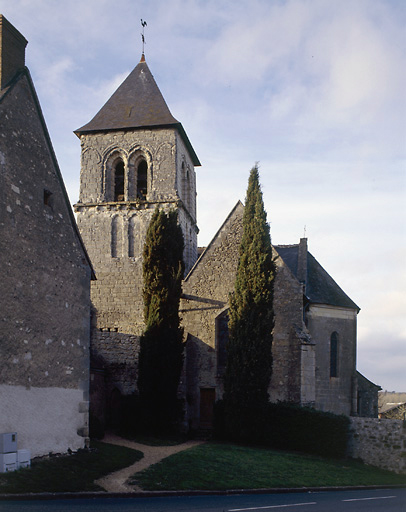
{"type": "Point", "coordinates": [284, 426]}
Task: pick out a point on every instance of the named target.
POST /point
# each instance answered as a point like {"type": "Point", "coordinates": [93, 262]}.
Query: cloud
{"type": "Point", "coordinates": [314, 74]}
{"type": "Point", "coordinates": [382, 359]}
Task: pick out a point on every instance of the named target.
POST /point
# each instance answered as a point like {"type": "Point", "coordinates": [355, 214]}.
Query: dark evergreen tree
{"type": "Point", "coordinates": [249, 351]}
{"type": "Point", "coordinates": [161, 345]}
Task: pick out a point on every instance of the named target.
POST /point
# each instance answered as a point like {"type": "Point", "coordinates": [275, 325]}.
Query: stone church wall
{"type": "Point", "coordinates": [335, 394]}
{"type": "Point", "coordinates": [45, 300]}
{"type": "Point", "coordinates": [288, 308]}
{"type": "Point", "coordinates": [157, 146]}
{"type": "Point", "coordinates": [379, 442]}
{"type": "Point", "coordinates": [206, 296]}
{"type": "Point", "coordinates": [117, 304]}
{"type": "Point", "coordinates": [185, 183]}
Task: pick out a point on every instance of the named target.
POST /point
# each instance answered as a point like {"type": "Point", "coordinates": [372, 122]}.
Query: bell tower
{"type": "Point", "coordinates": [135, 156]}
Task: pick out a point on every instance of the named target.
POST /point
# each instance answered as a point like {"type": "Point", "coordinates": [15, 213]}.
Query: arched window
{"type": "Point", "coordinates": [116, 238]}
{"type": "Point", "coordinates": [186, 189]}
{"type": "Point", "coordinates": [119, 181]}
{"type": "Point", "coordinates": [222, 337]}
{"type": "Point", "coordinates": [131, 237]}
{"type": "Point", "coordinates": [142, 175]}
{"type": "Point", "coordinates": [334, 354]}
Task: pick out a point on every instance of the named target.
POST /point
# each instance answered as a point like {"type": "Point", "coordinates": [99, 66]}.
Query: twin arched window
{"type": "Point", "coordinates": [127, 185]}
{"type": "Point", "coordinates": [119, 181]}
{"type": "Point", "coordinates": [142, 179]}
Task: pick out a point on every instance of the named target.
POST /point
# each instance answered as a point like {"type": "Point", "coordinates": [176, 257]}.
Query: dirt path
{"type": "Point", "coordinates": [117, 481]}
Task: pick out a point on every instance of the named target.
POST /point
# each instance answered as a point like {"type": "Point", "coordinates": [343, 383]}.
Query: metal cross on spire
{"type": "Point", "coordinates": [143, 24]}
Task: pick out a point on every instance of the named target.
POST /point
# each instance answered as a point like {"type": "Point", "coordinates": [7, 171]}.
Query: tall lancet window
{"type": "Point", "coordinates": [115, 237]}
{"type": "Point", "coordinates": [334, 354]}
{"type": "Point", "coordinates": [131, 237]}
{"type": "Point", "coordinates": [222, 338]}
{"type": "Point", "coordinates": [186, 193]}
{"type": "Point", "coordinates": [142, 174]}
{"type": "Point", "coordinates": [119, 181]}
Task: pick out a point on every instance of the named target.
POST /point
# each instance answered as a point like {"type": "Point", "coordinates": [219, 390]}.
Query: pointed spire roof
{"type": "Point", "coordinates": [137, 103]}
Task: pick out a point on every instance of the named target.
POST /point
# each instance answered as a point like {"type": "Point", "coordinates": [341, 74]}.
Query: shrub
{"type": "Point", "coordinates": [286, 427]}
{"type": "Point", "coordinates": [308, 430]}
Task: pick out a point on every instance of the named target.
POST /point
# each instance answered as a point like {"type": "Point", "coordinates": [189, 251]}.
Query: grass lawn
{"type": "Point", "coordinates": [225, 466]}
{"type": "Point", "coordinates": [70, 473]}
{"type": "Point", "coordinates": [211, 466]}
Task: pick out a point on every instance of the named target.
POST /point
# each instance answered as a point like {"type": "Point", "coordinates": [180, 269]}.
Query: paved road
{"type": "Point", "coordinates": [393, 500]}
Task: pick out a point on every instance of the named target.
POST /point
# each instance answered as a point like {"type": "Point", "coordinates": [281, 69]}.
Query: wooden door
{"type": "Point", "coordinates": [207, 399]}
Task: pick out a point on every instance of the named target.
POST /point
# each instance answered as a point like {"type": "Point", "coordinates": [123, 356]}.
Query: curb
{"type": "Point", "coordinates": [163, 494]}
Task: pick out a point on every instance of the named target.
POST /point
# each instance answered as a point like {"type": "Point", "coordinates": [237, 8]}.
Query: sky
{"type": "Point", "coordinates": [312, 90]}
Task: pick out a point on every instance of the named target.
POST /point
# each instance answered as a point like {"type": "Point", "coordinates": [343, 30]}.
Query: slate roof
{"type": "Point", "coordinates": [366, 382]}
{"type": "Point", "coordinates": [390, 400]}
{"type": "Point", "coordinates": [320, 286]}
{"type": "Point", "coordinates": [137, 103]}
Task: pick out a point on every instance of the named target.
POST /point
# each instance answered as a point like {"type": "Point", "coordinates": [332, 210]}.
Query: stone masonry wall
{"type": "Point", "coordinates": [45, 298]}
{"type": "Point", "coordinates": [379, 442]}
{"type": "Point", "coordinates": [119, 353]}
{"type": "Point", "coordinates": [288, 308]}
{"type": "Point", "coordinates": [164, 152]}
{"type": "Point", "coordinates": [334, 394]}
{"type": "Point", "coordinates": [206, 296]}
{"type": "Point", "coordinates": [114, 234]}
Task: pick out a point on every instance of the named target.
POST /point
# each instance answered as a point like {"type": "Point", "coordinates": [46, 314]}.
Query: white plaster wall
{"type": "Point", "coordinates": [323, 311]}
{"type": "Point", "coordinates": [45, 419]}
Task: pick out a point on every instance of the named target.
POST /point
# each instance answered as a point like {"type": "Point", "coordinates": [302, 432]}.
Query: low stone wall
{"type": "Point", "coordinates": [379, 442]}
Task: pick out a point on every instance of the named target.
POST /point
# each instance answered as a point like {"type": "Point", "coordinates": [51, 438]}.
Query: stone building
{"type": "Point", "coordinates": [314, 343]}
{"type": "Point", "coordinates": [367, 397]}
{"type": "Point", "coordinates": [45, 299]}
{"type": "Point", "coordinates": [136, 156]}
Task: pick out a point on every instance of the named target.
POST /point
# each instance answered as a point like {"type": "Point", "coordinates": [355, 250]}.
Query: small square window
{"type": "Point", "coordinates": [47, 197]}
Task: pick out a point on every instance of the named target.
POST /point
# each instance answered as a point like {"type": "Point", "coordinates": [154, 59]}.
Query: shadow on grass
{"type": "Point", "coordinates": [69, 473]}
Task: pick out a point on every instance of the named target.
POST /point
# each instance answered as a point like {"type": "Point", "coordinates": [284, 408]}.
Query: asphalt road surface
{"type": "Point", "coordinates": [383, 500]}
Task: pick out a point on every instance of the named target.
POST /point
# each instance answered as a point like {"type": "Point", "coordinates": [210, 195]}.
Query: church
{"type": "Point", "coordinates": [137, 156]}
{"type": "Point", "coordinates": [72, 309]}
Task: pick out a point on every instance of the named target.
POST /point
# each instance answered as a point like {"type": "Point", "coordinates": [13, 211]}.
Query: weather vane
{"type": "Point", "coordinates": [143, 24]}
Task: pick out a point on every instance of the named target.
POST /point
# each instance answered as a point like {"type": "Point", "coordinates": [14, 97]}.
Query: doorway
{"type": "Point", "coordinates": [207, 399]}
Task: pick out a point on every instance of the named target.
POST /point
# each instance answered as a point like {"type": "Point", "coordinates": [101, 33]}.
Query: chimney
{"type": "Point", "coordinates": [302, 262]}
{"type": "Point", "coordinates": [12, 51]}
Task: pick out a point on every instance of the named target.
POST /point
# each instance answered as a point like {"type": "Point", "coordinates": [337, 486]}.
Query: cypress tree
{"type": "Point", "coordinates": [161, 345]}
{"type": "Point", "coordinates": [249, 354]}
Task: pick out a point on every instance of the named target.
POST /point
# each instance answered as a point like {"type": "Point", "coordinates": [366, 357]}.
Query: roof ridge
{"type": "Point", "coordinates": [136, 103]}
{"type": "Point", "coordinates": [285, 245]}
